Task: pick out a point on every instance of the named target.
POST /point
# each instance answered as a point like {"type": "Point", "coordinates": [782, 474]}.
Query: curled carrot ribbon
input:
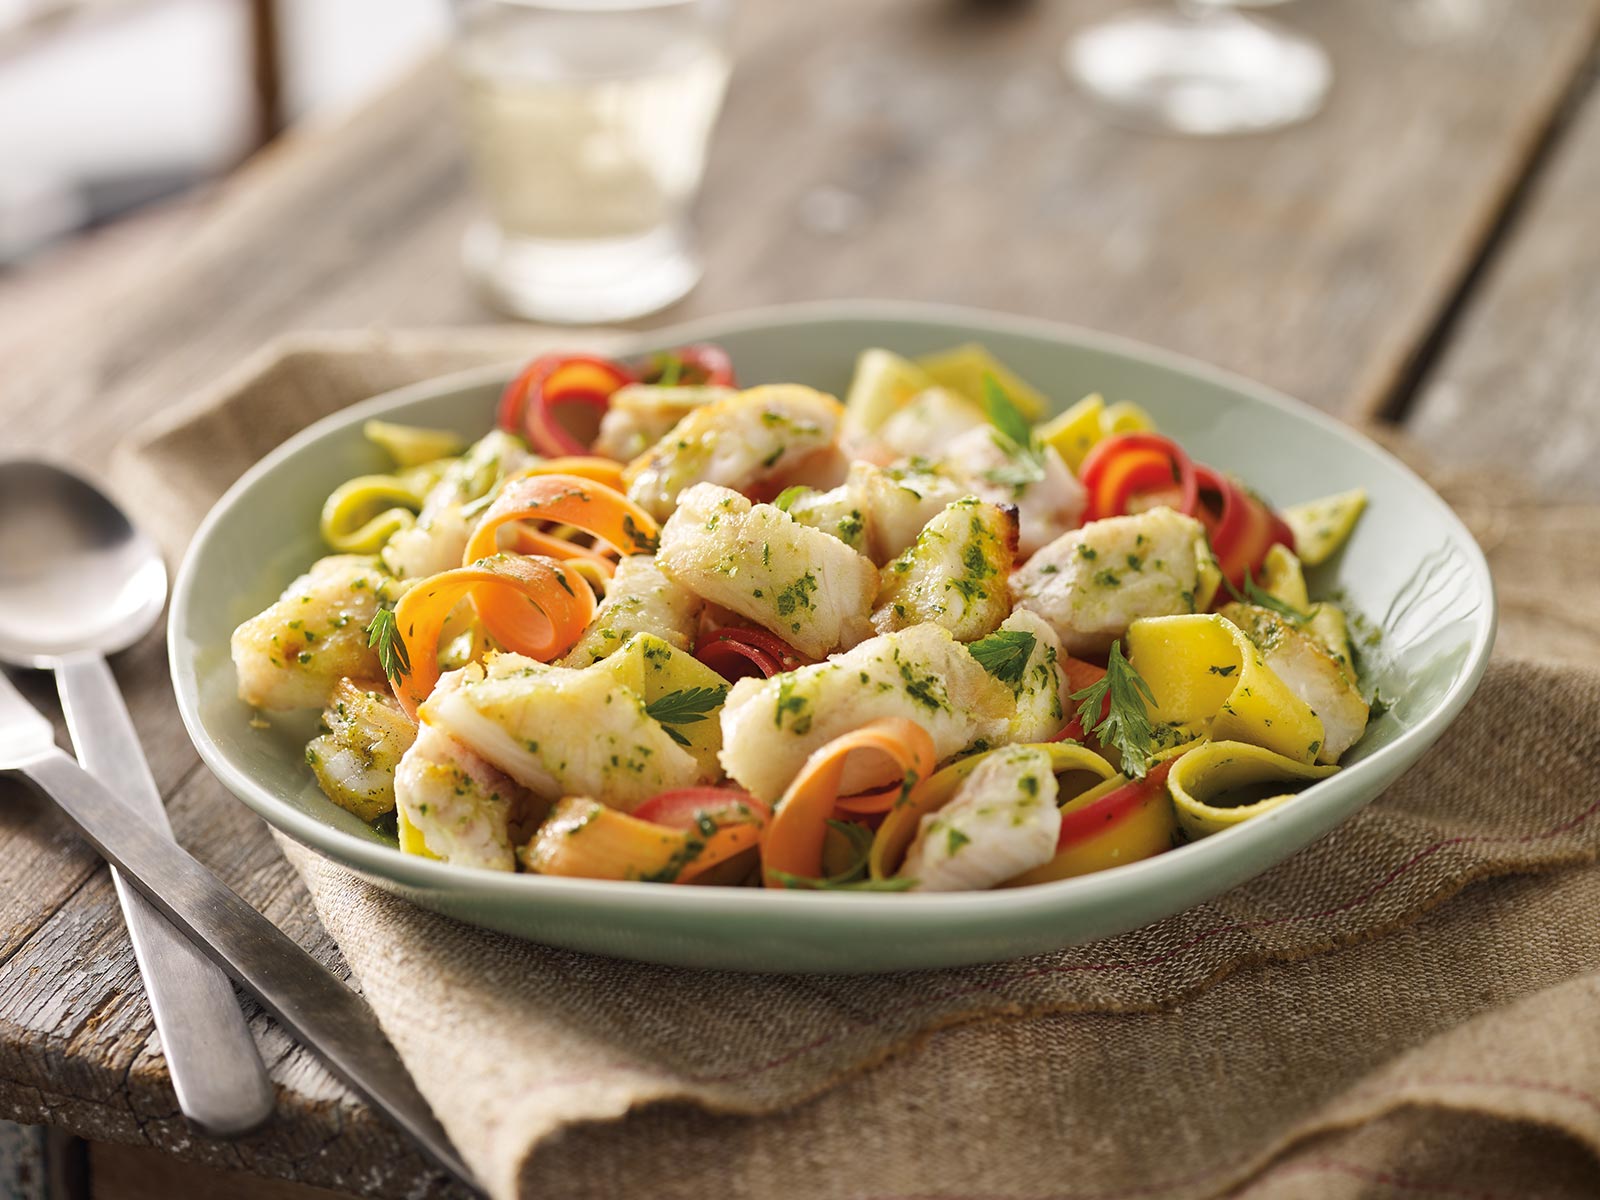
{"type": "Point", "coordinates": [792, 844]}
{"type": "Point", "coordinates": [572, 500]}
{"type": "Point", "coordinates": [532, 605]}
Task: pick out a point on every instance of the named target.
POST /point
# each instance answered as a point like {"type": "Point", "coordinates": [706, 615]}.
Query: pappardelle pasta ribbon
{"type": "Point", "coordinates": [1221, 784]}
{"type": "Point", "coordinates": [1204, 672]}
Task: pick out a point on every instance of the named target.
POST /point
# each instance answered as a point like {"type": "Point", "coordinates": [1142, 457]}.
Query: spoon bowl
{"type": "Point", "coordinates": [75, 575]}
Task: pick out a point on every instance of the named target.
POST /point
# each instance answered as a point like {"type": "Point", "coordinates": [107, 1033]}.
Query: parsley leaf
{"type": "Point", "coordinates": [383, 635]}
{"type": "Point", "coordinates": [685, 707]}
{"type": "Point", "coordinates": [1005, 416]}
{"type": "Point", "coordinates": [1004, 654]}
{"type": "Point", "coordinates": [1014, 436]}
{"type": "Point", "coordinates": [1126, 724]}
{"type": "Point", "coordinates": [1261, 598]}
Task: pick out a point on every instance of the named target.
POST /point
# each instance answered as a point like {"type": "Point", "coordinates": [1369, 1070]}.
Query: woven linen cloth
{"type": "Point", "coordinates": [1406, 1007]}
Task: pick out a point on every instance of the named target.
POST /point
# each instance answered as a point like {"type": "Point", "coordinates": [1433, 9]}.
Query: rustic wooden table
{"type": "Point", "coordinates": [1426, 251]}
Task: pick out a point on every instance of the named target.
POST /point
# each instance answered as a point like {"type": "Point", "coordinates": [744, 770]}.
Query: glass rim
{"type": "Point", "coordinates": [582, 6]}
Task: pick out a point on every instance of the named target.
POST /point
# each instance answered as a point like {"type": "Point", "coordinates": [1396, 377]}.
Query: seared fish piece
{"type": "Point", "coordinates": [462, 807]}
{"type": "Point", "coordinates": [1042, 687]}
{"type": "Point", "coordinates": [1048, 496]}
{"type": "Point", "coordinates": [1310, 672]}
{"type": "Point", "coordinates": [560, 732]}
{"type": "Point", "coordinates": [927, 423]}
{"type": "Point", "coordinates": [807, 587]}
{"type": "Point", "coordinates": [439, 538]}
{"type": "Point", "coordinates": [1001, 822]}
{"type": "Point", "coordinates": [836, 511]}
{"type": "Point", "coordinates": [1094, 582]}
{"type": "Point", "coordinates": [639, 599]}
{"type": "Point", "coordinates": [764, 433]}
{"type": "Point", "coordinates": [293, 654]}
{"type": "Point", "coordinates": [355, 761]}
{"type": "Point", "coordinates": [955, 574]}
{"type": "Point", "coordinates": [898, 502]}
{"type": "Point", "coordinates": [770, 726]}
{"type": "Point", "coordinates": [641, 414]}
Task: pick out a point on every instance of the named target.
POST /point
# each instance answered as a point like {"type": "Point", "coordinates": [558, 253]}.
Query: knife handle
{"type": "Point", "coordinates": [216, 1069]}
{"type": "Point", "coordinates": [300, 992]}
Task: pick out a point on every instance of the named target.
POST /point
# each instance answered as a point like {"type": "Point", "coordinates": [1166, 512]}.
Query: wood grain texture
{"type": "Point", "coordinates": [1519, 388]}
{"type": "Point", "coordinates": [923, 149]}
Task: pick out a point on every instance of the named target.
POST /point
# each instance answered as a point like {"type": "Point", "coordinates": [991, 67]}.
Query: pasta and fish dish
{"type": "Point", "coordinates": [656, 627]}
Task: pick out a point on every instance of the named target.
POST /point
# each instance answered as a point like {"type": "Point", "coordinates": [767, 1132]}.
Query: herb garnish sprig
{"type": "Point", "coordinates": [685, 707]}
{"type": "Point", "coordinates": [1004, 654]}
{"type": "Point", "coordinates": [1126, 723]}
{"type": "Point", "coordinates": [383, 635]}
{"type": "Point", "coordinates": [1014, 436]}
{"type": "Point", "coordinates": [1253, 593]}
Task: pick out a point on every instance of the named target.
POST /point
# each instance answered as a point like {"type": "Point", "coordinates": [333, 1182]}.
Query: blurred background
{"type": "Point", "coordinates": [208, 82]}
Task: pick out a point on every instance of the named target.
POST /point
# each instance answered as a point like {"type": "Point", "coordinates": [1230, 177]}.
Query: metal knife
{"type": "Point", "coordinates": [303, 995]}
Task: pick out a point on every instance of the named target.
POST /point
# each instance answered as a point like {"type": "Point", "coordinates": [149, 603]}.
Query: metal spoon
{"type": "Point", "coordinates": [78, 582]}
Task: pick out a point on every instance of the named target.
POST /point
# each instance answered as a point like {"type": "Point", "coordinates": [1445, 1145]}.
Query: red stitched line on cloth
{"type": "Point", "coordinates": [1364, 898]}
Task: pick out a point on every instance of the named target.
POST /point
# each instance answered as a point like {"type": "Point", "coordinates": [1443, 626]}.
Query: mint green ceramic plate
{"type": "Point", "coordinates": [1411, 568]}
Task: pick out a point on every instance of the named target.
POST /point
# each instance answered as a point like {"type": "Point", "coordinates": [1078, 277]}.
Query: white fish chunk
{"type": "Point", "coordinates": [806, 586]}
{"type": "Point", "coordinates": [639, 599]}
{"type": "Point", "coordinates": [355, 760]}
{"type": "Point", "coordinates": [462, 807]}
{"type": "Point", "coordinates": [770, 726]}
{"type": "Point", "coordinates": [1002, 821]}
{"type": "Point", "coordinates": [294, 653]}
{"type": "Point", "coordinates": [439, 538]}
{"type": "Point", "coordinates": [560, 732]}
{"type": "Point", "coordinates": [955, 574]}
{"type": "Point", "coordinates": [1094, 582]}
{"type": "Point", "coordinates": [898, 501]}
{"type": "Point", "coordinates": [737, 442]}
{"type": "Point", "coordinates": [927, 422]}
{"type": "Point", "coordinates": [640, 414]}
{"type": "Point", "coordinates": [1041, 687]}
{"type": "Point", "coordinates": [1049, 498]}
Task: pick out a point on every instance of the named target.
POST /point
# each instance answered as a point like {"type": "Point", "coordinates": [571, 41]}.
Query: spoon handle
{"type": "Point", "coordinates": [216, 1069]}
{"type": "Point", "coordinates": [302, 994]}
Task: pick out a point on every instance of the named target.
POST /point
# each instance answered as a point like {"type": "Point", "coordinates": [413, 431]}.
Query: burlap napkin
{"type": "Point", "coordinates": [1315, 1032]}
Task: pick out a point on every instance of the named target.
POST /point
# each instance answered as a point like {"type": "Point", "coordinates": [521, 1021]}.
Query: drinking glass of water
{"type": "Point", "coordinates": [587, 125]}
{"type": "Point", "coordinates": [1200, 67]}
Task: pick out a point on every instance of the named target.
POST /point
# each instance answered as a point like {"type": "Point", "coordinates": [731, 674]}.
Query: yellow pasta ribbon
{"type": "Point", "coordinates": [1283, 579]}
{"type": "Point", "coordinates": [412, 445]}
{"type": "Point", "coordinates": [366, 512]}
{"type": "Point", "coordinates": [1222, 784]}
{"type": "Point", "coordinates": [651, 668]}
{"type": "Point", "coordinates": [1204, 672]}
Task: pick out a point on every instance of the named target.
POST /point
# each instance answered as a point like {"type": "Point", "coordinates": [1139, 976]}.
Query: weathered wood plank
{"type": "Point", "coordinates": [927, 151]}
{"type": "Point", "coordinates": [1518, 389]}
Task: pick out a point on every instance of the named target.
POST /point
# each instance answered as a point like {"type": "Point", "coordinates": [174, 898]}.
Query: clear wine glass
{"type": "Point", "coordinates": [1201, 67]}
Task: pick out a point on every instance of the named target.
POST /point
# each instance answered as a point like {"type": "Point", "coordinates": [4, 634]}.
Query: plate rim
{"type": "Point", "coordinates": [1131, 880]}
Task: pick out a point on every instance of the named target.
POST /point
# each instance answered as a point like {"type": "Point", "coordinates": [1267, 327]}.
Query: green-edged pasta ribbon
{"type": "Point", "coordinates": [363, 514]}
{"type": "Point", "coordinates": [1203, 781]}
{"type": "Point", "coordinates": [412, 445]}
{"type": "Point", "coordinates": [1204, 673]}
